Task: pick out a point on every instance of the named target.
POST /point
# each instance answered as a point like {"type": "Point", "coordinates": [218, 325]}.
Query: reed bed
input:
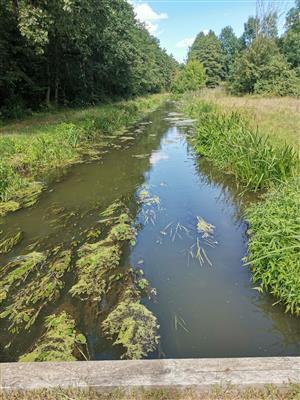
{"type": "Point", "coordinates": [229, 141]}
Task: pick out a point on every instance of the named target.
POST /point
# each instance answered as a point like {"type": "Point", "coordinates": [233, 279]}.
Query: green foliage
{"type": "Point", "coordinates": [97, 260]}
{"type": "Point", "coordinates": [134, 327]}
{"type": "Point", "coordinates": [262, 69]}
{"type": "Point", "coordinates": [24, 157]}
{"type": "Point", "coordinates": [230, 46]}
{"type": "Point", "coordinates": [191, 77]}
{"type": "Point", "coordinates": [60, 342]}
{"type": "Point", "coordinates": [41, 278]}
{"type": "Point", "coordinates": [229, 142]}
{"type": "Point", "coordinates": [10, 241]}
{"type": "Point", "coordinates": [75, 53]}
{"type": "Point", "coordinates": [93, 265]}
{"type": "Point", "coordinates": [291, 38]}
{"type": "Point", "coordinates": [207, 50]}
{"type": "Point", "coordinates": [16, 272]}
{"type": "Point", "coordinates": [250, 32]}
{"type": "Point", "coordinates": [274, 244]}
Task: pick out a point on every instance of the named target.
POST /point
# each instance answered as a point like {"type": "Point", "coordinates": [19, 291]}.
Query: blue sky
{"type": "Point", "coordinates": [176, 22]}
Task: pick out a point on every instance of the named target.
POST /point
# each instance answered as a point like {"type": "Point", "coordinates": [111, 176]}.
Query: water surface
{"type": "Point", "coordinates": [205, 304]}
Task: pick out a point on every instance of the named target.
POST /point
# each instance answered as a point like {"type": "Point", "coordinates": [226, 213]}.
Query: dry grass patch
{"type": "Point", "coordinates": [278, 117]}
{"type": "Point", "coordinates": [267, 393]}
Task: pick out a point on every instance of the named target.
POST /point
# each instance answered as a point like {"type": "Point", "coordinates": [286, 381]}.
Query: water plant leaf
{"type": "Point", "coordinates": [60, 341]}
{"type": "Point", "coordinates": [9, 242]}
{"type": "Point", "coordinates": [134, 327]}
{"type": "Point", "coordinates": [25, 305]}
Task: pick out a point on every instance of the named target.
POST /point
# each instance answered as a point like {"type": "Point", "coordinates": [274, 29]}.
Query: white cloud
{"type": "Point", "coordinates": [184, 43]}
{"type": "Point", "coordinates": [145, 13]}
{"type": "Point", "coordinates": [206, 31]}
{"type": "Point", "coordinates": [152, 28]}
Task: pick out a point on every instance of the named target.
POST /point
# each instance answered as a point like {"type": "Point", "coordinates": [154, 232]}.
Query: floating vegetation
{"type": "Point", "coordinates": [8, 206]}
{"type": "Point", "coordinates": [151, 205]}
{"type": "Point", "coordinates": [180, 322]}
{"type": "Point", "coordinates": [126, 138]}
{"type": "Point", "coordinates": [17, 271]}
{"type": "Point", "coordinates": [175, 230]}
{"type": "Point", "coordinates": [25, 305]}
{"type": "Point", "coordinates": [98, 259]}
{"type": "Point", "coordinates": [197, 252]}
{"type": "Point", "coordinates": [9, 242]}
{"type": "Point", "coordinates": [123, 231]}
{"type": "Point", "coordinates": [204, 227]}
{"type": "Point", "coordinates": [28, 196]}
{"type": "Point", "coordinates": [95, 261]}
{"type": "Point", "coordinates": [134, 327]}
{"type": "Point", "coordinates": [112, 209]}
{"type": "Point", "coordinates": [141, 155]}
{"type": "Point", "coordinates": [60, 342]}
{"type": "Point", "coordinates": [146, 198]}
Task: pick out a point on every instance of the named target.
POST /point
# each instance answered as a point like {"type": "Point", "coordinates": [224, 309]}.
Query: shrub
{"type": "Point", "coordinates": [191, 77]}
{"type": "Point", "coordinates": [262, 69]}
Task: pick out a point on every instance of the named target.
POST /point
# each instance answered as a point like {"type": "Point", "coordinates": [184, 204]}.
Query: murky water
{"type": "Point", "coordinates": [205, 302]}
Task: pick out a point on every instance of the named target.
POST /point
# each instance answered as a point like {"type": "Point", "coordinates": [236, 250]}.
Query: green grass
{"type": "Point", "coordinates": [263, 163]}
{"type": "Point", "coordinates": [30, 149]}
{"type": "Point", "coordinates": [229, 141]}
{"type": "Point", "coordinates": [274, 245]}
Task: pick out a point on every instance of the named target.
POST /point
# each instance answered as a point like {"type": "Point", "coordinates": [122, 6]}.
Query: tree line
{"type": "Point", "coordinates": [71, 52]}
{"type": "Point", "coordinates": [260, 61]}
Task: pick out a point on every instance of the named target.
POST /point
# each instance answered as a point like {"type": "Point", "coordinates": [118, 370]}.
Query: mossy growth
{"type": "Point", "coordinates": [134, 327]}
{"type": "Point", "coordinates": [112, 209]}
{"type": "Point", "coordinates": [24, 306]}
{"type": "Point", "coordinates": [8, 206]}
{"type": "Point", "coordinates": [17, 271]}
{"type": "Point", "coordinates": [60, 342]}
{"type": "Point", "coordinates": [95, 261]}
{"type": "Point", "coordinates": [10, 241]}
{"type": "Point", "coordinates": [123, 230]}
{"type": "Point", "coordinates": [29, 195]}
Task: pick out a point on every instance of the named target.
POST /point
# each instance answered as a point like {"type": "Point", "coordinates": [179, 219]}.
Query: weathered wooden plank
{"type": "Point", "coordinates": [199, 373]}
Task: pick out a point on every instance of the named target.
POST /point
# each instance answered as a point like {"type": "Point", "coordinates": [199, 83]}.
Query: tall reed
{"type": "Point", "coordinates": [229, 142]}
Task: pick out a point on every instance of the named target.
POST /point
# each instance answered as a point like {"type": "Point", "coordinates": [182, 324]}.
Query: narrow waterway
{"type": "Point", "coordinates": [190, 244]}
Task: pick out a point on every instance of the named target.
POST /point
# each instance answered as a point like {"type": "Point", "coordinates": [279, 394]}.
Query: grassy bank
{"type": "Point", "coordinates": [263, 162]}
{"type": "Point", "coordinates": [268, 393]}
{"type": "Point", "coordinates": [277, 117]}
{"type": "Point", "coordinates": [30, 149]}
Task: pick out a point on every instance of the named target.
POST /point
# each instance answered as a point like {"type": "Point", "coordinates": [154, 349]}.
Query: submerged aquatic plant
{"type": "Point", "coordinates": [134, 327]}
{"type": "Point", "coordinates": [17, 271]}
{"type": "Point", "coordinates": [25, 305]}
{"type": "Point", "coordinates": [123, 230]}
{"type": "Point", "coordinates": [9, 242]}
{"type": "Point", "coordinates": [95, 261]}
{"type": "Point", "coordinates": [60, 342]}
